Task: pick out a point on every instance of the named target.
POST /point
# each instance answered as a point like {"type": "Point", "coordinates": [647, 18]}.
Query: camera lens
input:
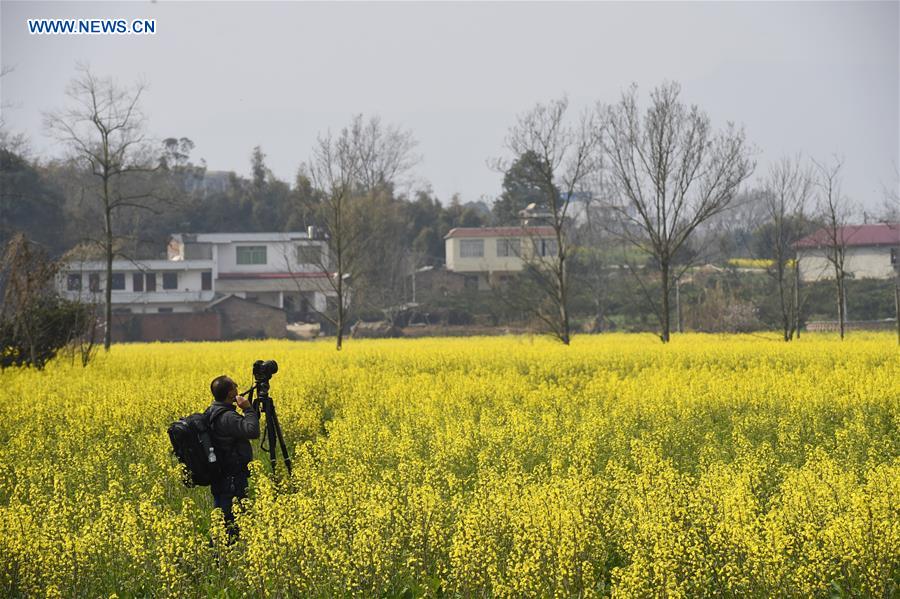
{"type": "Point", "coordinates": [265, 368]}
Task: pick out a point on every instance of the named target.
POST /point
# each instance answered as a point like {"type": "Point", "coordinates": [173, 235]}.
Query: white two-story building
{"type": "Point", "coordinates": [489, 255]}
{"type": "Point", "coordinates": [282, 270]}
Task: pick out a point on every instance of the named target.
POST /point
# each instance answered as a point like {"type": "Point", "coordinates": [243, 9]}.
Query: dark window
{"type": "Point", "coordinates": [118, 281]}
{"type": "Point", "coordinates": [73, 282]}
{"type": "Point", "coordinates": [894, 256]}
{"type": "Point", "coordinates": [206, 281]}
{"type": "Point", "coordinates": [164, 310]}
{"type": "Point", "coordinates": [545, 247]}
{"type": "Point", "coordinates": [151, 281]}
{"type": "Point", "coordinates": [471, 281]}
{"type": "Point", "coordinates": [94, 281]}
{"type": "Point", "coordinates": [509, 247]}
{"type": "Point", "coordinates": [170, 280]}
{"type": "Point", "coordinates": [121, 310]}
{"type": "Point", "coordinates": [309, 254]}
{"type": "Point", "coordinates": [137, 281]}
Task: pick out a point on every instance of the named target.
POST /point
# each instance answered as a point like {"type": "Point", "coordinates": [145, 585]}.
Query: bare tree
{"type": "Point", "coordinates": [15, 143]}
{"type": "Point", "coordinates": [105, 130]}
{"type": "Point", "coordinates": [788, 188]}
{"type": "Point", "coordinates": [671, 173]}
{"type": "Point", "coordinates": [333, 170]}
{"type": "Point", "coordinates": [834, 210]}
{"type": "Point", "coordinates": [351, 173]}
{"type": "Point", "coordinates": [383, 153]}
{"type": "Point", "coordinates": [567, 157]}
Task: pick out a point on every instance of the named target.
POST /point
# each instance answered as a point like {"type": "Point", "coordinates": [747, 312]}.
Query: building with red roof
{"type": "Point", "coordinates": [871, 251]}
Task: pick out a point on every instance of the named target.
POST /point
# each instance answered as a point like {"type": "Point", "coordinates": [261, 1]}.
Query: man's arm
{"type": "Point", "coordinates": [243, 427]}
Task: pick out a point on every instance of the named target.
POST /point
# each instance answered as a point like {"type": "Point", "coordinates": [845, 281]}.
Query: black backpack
{"type": "Point", "coordinates": [192, 445]}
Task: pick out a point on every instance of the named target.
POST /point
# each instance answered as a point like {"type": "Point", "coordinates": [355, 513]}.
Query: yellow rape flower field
{"type": "Point", "coordinates": [509, 467]}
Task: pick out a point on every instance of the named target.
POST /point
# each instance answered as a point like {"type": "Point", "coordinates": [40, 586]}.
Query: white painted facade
{"type": "Point", "coordinates": [490, 254]}
{"type": "Point", "coordinates": [145, 286]}
{"type": "Point", "coordinates": [283, 270]}
{"type": "Point", "coordinates": [860, 262]}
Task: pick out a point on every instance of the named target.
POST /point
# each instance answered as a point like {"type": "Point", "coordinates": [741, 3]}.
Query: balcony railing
{"type": "Point", "coordinates": [146, 297]}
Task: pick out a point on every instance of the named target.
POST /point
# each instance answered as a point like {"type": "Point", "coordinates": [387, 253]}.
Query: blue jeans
{"type": "Point", "coordinates": [224, 492]}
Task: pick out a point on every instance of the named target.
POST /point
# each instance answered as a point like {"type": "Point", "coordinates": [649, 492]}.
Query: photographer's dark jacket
{"type": "Point", "coordinates": [231, 434]}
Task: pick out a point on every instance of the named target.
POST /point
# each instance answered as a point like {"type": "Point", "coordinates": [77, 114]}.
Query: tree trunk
{"type": "Point", "coordinates": [897, 309]}
{"type": "Point", "coordinates": [107, 335]}
{"type": "Point", "coordinates": [840, 300]}
{"type": "Point", "coordinates": [340, 311]}
{"type": "Point", "coordinates": [678, 318]}
{"type": "Point", "coordinates": [340, 329]}
{"type": "Point", "coordinates": [563, 293]}
{"type": "Point", "coordinates": [797, 298]}
{"type": "Point", "coordinates": [664, 313]}
{"type": "Point", "coordinates": [785, 307]}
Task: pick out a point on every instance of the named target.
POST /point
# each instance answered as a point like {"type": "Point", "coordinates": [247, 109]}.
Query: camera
{"type": "Point", "coordinates": [264, 369]}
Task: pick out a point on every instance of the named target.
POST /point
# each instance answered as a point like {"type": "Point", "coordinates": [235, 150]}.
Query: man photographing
{"type": "Point", "coordinates": [230, 434]}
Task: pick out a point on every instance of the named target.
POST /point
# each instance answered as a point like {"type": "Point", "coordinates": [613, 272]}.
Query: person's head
{"type": "Point", "coordinates": [223, 389]}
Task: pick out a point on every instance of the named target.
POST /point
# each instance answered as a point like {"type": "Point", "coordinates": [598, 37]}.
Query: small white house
{"type": "Point", "coordinates": [487, 255]}
{"type": "Point", "coordinates": [871, 252]}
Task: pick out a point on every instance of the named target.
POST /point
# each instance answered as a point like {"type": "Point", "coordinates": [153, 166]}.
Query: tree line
{"type": "Point", "coordinates": [658, 190]}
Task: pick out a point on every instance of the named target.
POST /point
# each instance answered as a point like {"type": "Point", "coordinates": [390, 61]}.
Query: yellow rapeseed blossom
{"type": "Point", "coordinates": [511, 467]}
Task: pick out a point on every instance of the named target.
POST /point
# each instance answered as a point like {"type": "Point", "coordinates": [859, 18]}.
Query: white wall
{"type": "Point", "coordinates": [280, 257]}
{"type": "Point", "coordinates": [189, 285]}
{"type": "Point", "coordinates": [872, 262]}
{"type": "Point", "coordinates": [490, 262]}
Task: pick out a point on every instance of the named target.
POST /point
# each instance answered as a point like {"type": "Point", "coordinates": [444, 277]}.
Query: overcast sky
{"type": "Point", "coordinates": [821, 78]}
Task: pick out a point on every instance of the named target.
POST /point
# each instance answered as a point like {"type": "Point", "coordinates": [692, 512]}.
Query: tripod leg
{"type": "Point", "coordinates": [284, 450]}
{"type": "Point", "coordinates": [271, 423]}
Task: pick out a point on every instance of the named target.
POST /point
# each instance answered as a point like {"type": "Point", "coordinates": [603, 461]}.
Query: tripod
{"type": "Point", "coordinates": [265, 405]}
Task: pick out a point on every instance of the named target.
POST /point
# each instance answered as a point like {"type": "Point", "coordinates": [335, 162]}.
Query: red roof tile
{"type": "Point", "coordinates": [855, 235]}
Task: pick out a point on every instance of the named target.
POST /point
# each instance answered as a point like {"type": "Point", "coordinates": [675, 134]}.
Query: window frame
{"type": "Point", "coordinates": [168, 275]}
{"type": "Point", "coordinates": [206, 280]}
{"type": "Point", "coordinates": [137, 282]}
{"type": "Point", "coordinates": [311, 248]}
{"type": "Point", "coordinates": [71, 285]}
{"type": "Point", "coordinates": [94, 282]}
{"type": "Point", "coordinates": [248, 255]}
{"type": "Point", "coordinates": [471, 243]}
{"type": "Point", "coordinates": [541, 247]}
{"type": "Point", "coordinates": [509, 251]}
{"type": "Point", "coordinates": [117, 282]}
